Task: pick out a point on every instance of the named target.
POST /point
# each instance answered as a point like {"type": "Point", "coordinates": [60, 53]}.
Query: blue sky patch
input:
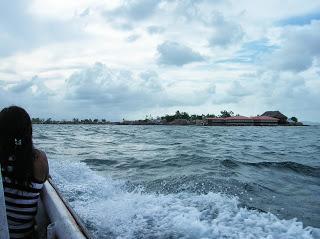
{"type": "Point", "coordinates": [300, 20]}
{"type": "Point", "coordinates": [251, 52]}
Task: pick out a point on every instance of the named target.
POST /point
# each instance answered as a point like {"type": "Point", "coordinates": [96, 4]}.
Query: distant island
{"type": "Point", "coordinates": [225, 118]}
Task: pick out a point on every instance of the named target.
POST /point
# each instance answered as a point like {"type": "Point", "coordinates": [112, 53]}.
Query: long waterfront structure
{"type": "Point", "coordinates": [242, 121]}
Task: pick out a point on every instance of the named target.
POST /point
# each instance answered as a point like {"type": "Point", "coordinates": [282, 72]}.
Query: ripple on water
{"type": "Point", "coordinates": [113, 212]}
{"type": "Point", "coordinates": [280, 167]}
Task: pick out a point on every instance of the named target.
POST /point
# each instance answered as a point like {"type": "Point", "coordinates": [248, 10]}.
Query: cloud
{"type": "Point", "coordinates": [119, 89]}
{"type": "Point", "coordinates": [173, 53]}
{"type": "Point", "coordinates": [238, 90]}
{"type": "Point", "coordinates": [85, 12]}
{"type": "Point", "coordinates": [121, 92]}
{"type": "Point", "coordinates": [133, 38]}
{"type": "Point", "coordinates": [34, 87]}
{"type": "Point", "coordinates": [249, 61]}
{"type": "Point", "coordinates": [131, 11]}
{"type": "Point", "coordinates": [253, 51]}
{"type": "Point", "coordinates": [181, 94]}
{"type": "Point", "coordinates": [31, 94]}
{"type": "Point", "coordinates": [21, 31]}
{"type": "Point", "coordinates": [130, 14]}
{"type": "Point", "coordinates": [286, 91]}
{"type": "Point", "coordinates": [100, 91]}
{"type": "Point", "coordinates": [225, 33]}
{"type": "Point", "coordinates": [101, 85]}
{"type": "Point", "coordinates": [137, 9]}
{"type": "Point", "coordinates": [298, 49]}
{"type": "Point", "coordinates": [230, 93]}
{"type": "Point", "coordinates": [300, 20]}
{"type": "Point", "coordinates": [155, 29]}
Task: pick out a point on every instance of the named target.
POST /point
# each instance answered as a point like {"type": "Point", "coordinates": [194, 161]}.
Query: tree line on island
{"type": "Point", "coordinates": [149, 119]}
{"type": "Point", "coordinates": [167, 118]}
{"type": "Point", "coordinates": [73, 121]}
{"type": "Point", "coordinates": [186, 116]}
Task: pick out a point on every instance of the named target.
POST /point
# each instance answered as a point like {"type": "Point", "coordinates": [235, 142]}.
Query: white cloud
{"type": "Point", "coordinates": [101, 85]}
{"type": "Point", "coordinates": [32, 94]}
{"type": "Point", "coordinates": [238, 90]}
{"type": "Point", "coordinates": [120, 91]}
{"type": "Point", "coordinates": [128, 12]}
{"type": "Point", "coordinates": [133, 37]}
{"type": "Point", "coordinates": [22, 31]}
{"type": "Point", "coordinates": [85, 12]}
{"type": "Point", "coordinates": [298, 49]}
{"type": "Point", "coordinates": [196, 55]}
{"type": "Point", "coordinates": [135, 9]}
{"type": "Point", "coordinates": [173, 53]}
{"type": "Point", "coordinates": [225, 33]}
{"type": "Point", "coordinates": [155, 29]}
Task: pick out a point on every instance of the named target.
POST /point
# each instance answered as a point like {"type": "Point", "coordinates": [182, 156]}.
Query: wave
{"type": "Point", "coordinates": [99, 162]}
{"type": "Point", "coordinates": [285, 165]}
{"type": "Point", "coordinates": [112, 211]}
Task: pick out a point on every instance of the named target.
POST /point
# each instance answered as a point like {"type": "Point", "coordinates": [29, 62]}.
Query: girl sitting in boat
{"type": "Point", "coordinates": [24, 170]}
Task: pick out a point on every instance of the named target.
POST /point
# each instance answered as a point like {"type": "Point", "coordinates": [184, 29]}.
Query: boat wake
{"type": "Point", "coordinates": [286, 165]}
{"type": "Point", "coordinates": [110, 210]}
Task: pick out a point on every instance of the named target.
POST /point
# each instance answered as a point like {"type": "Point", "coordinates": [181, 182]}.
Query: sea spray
{"type": "Point", "coordinates": [111, 211]}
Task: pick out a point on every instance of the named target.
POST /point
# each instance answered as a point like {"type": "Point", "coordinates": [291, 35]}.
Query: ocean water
{"type": "Point", "coordinates": [188, 181]}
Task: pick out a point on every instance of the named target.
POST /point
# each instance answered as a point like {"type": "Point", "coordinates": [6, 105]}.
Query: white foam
{"type": "Point", "coordinates": [116, 213]}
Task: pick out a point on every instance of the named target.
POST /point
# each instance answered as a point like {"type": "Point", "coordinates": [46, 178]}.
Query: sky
{"type": "Point", "coordinates": [127, 59]}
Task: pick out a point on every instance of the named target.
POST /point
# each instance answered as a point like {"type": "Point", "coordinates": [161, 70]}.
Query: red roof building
{"type": "Point", "coordinates": [215, 121]}
{"type": "Point", "coordinates": [239, 121]}
{"type": "Point", "coordinates": [243, 121]}
{"type": "Point", "coordinates": [276, 114]}
{"type": "Point", "coordinates": [265, 120]}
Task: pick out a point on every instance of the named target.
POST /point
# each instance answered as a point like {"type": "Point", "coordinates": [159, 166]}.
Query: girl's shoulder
{"type": "Point", "coordinates": [40, 166]}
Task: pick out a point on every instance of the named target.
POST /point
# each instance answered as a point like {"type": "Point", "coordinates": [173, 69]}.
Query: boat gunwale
{"type": "Point", "coordinates": [74, 215]}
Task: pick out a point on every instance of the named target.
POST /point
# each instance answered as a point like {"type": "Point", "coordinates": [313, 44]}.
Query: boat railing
{"type": "Point", "coordinates": [64, 222]}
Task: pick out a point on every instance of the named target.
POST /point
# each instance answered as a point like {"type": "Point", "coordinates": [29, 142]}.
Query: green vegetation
{"type": "Point", "coordinates": [186, 116]}
{"type": "Point", "coordinates": [294, 119]}
{"type": "Point", "coordinates": [179, 115]}
{"type": "Point", "coordinates": [73, 121]}
{"type": "Point", "coordinates": [178, 118]}
{"type": "Point", "coordinates": [225, 114]}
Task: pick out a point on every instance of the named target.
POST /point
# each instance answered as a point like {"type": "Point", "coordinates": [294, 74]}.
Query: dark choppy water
{"type": "Point", "coordinates": [188, 182]}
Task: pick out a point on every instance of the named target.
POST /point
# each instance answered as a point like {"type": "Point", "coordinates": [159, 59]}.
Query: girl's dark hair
{"type": "Point", "coordinates": [16, 142]}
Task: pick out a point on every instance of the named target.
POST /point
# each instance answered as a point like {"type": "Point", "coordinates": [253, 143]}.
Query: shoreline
{"type": "Point", "coordinates": [152, 124]}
